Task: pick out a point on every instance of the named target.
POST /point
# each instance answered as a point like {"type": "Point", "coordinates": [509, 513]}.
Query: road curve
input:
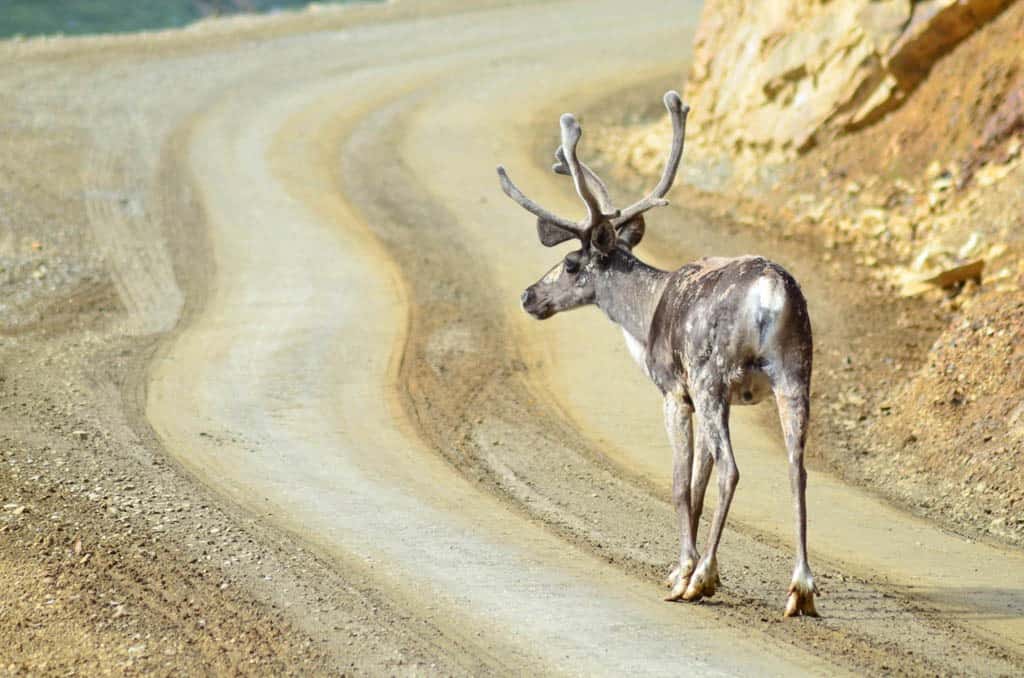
{"type": "Point", "coordinates": [293, 362]}
{"type": "Point", "coordinates": [359, 355]}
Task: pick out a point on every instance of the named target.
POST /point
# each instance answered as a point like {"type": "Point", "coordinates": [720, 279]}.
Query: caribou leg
{"type": "Point", "coordinates": [713, 427]}
{"type": "Point", "coordinates": [793, 414]}
{"type": "Point", "coordinates": [678, 424]}
{"type": "Point", "coordinates": [702, 463]}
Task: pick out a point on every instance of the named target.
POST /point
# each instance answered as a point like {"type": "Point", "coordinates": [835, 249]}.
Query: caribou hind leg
{"type": "Point", "coordinates": [713, 422]}
{"type": "Point", "coordinates": [793, 414]}
{"type": "Point", "coordinates": [702, 464]}
{"type": "Point", "coordinates": [678, 424]}
{"type": "Point", "coordinates": [699, 476]}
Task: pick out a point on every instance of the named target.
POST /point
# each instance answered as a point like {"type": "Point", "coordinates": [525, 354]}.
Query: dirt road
{"type": "Point", "coordinates": [350, 365]}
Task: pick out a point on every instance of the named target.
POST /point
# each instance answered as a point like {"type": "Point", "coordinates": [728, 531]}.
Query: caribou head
{"type": "Point", "coordinates": [573, 282]}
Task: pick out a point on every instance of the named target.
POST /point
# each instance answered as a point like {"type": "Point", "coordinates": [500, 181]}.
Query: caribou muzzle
{"type": "Point", "coordinates": [532, 303]}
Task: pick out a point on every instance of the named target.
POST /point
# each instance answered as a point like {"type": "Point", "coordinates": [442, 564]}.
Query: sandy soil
{"type": "Point", "coordinates": [926, 388]}
{"type": "Point", "coordinates": [950, 442]}
{"type": "Point", "coordinates": [274, 377]}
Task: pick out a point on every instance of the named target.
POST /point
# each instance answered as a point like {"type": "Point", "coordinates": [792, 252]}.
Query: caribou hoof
{"type": "Point", "coordinates": [672, 579]}
{"type": "Point", "coordinates": [801, 595]}
{"type": "Point", "coordinates": [678, 579]}
{"type": "Point", "coordinates": [678, 589]}
{"type": "Point", "coordinates": [704, 582]}
{"type": "Point", "coordinates": [800, 604]}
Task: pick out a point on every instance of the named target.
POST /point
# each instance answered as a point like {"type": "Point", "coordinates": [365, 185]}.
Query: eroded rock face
{"type": "Point", "coordinates": [775, 78]}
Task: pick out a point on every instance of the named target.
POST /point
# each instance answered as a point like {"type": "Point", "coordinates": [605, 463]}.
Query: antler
{"type": "Point", "coordinates": [554, 229]}
{"type": "Point", "coordinates": [596, 185]}
{"type": "Point", "coordinates": [678, 110]}
{"type": "Point", "coordinates": [570, 137]}
{"type": "Point", "coordinates": [512, 191]}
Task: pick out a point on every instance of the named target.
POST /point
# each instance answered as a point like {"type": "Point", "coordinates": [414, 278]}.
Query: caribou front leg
{"type": "Point", "coordinates": [678, 424]}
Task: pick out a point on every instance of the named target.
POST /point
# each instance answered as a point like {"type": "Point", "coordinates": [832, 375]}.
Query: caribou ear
{"type": "Point", "coordinates": [603, 238]}
{"type": "Point", "coordinates": [631, 232]}
{"type": "Point", "coordinates": [552, 234]}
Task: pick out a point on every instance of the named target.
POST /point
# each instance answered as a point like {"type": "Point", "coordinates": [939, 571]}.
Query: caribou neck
{"type": "Point", "coordinates": [628, 291]}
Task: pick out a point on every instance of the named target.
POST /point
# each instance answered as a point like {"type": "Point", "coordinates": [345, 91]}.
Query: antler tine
{"type": "Point", "coordinates": [596, 185]}
{"type": "Point", "coordinates": [678, 110]}
{"type": "Point", "coordinates": [512, 191]}
{"type": "Point", "coordinates": [570, 137]}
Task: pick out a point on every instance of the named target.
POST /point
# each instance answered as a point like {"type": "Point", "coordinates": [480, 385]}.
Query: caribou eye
{"type": "Point", "coordinates": [572, 262]}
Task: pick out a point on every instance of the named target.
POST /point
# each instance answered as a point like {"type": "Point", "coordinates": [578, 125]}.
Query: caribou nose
{"type": "Point", "coordinates": [526, 297]}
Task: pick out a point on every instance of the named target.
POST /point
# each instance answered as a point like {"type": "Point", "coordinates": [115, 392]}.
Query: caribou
{"type": "Point", "coordinates": [714, 333]}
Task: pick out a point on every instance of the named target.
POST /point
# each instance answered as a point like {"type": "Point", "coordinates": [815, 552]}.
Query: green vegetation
{"type": "Point", "coordinates": [78, 17]}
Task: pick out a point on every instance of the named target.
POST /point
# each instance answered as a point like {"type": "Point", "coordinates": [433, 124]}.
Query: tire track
{"type": "Point", "coordinates": [323, 159]}
{"type": "Point", "coordinates": [505, 437]}
{"type": "Point", "coordinates": [289, 372]}
{"type": "Point", "coordinates": [531, 398]}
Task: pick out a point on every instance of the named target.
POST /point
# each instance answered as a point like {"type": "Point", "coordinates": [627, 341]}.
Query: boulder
{"type": "Point", "coordinates": [776, 78]}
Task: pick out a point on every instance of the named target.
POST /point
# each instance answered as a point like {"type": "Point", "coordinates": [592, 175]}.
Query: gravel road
{"type": "Point", "coordinates": [302, 214]}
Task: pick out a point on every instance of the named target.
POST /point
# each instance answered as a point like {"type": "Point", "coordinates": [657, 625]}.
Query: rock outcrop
{"type": "Point", "coordinates": [776, 78]}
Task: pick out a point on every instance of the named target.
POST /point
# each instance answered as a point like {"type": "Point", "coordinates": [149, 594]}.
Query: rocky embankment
{"type": "Point", "coordinates": [776, 79]}
{"type": "Point", "coordinates": [888, 136]}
